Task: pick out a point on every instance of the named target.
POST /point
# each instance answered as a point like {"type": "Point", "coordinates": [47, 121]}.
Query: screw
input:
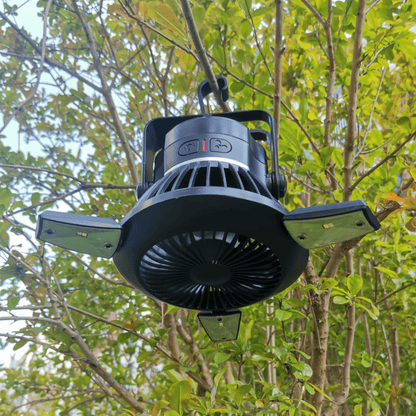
{"type": "Point", "coordinates": [302, 237]}
{"type": "Point", "coordinates": [108, 245]}
{"type": "Point", "coordinates": [359, 223]}
{"type": "Point", "coordinates": [49, 232]}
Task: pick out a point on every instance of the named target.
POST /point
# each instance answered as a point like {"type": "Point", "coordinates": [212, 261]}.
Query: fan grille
{"type": "Point", "coordinates": [210, 270]}
{"type": "Point", "coordinates": [214, 173]}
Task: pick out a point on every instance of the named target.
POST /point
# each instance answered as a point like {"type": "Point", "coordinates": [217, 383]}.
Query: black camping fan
{"type": "Point", "coordinates": [207, 231]}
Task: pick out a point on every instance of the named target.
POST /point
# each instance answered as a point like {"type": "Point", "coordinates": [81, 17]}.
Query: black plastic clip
{"type": "Point", "coordinates": [204, 89]}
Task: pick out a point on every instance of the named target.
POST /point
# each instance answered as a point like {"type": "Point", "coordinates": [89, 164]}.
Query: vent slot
{"type": "Point", "coordinates": [204, 173]}
{"type": "Point", "coordinates": [171, 183]}
{"type": "Point", "coordinates": [216, 178]}
{"type": "Point", "coordinates": [201, 177]}
{"type": "Point", "coordinates": [248, 183]}
{"type": "Point", "coordinates": [231, 178]}
{"type": "Point", "coordinates": [182, 180]}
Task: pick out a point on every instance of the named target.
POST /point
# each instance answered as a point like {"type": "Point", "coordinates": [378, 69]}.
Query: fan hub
{"type": "Point", "coordinates": [211, 274]}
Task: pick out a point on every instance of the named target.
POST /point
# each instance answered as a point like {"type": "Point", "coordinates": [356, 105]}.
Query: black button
{"type": "Point", "coordinates": [189, 147]}
{"type": "Point", "coordinates": [220, 145]}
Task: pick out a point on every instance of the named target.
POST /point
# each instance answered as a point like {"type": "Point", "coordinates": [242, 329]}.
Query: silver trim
{"type": "Point", "coordinates": [200, 159]}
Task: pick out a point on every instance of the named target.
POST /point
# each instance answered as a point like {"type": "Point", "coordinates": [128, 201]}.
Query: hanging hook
{"type": "Point", "coordinates": [204, 89]}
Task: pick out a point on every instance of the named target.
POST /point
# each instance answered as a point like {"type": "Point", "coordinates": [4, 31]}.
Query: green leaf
{"type": "Point", "coordinates": [365, 362]}
{"type": "Point", "coordinates": [12, 302]}
{"type": "Point", "coordinates": [123, 337]}
{"type": "Point", "coordinates": [218, 54]}
{"type": "Point", "coordinates": [282, 315]}
{"type": "Point", "coordinates": [161, 404]}
{"type": "Point", "coordinates": [326, 153]}
{"type": "Point", "coordinates": [80, 96]}
{"type": "Point", "coordinates": [199, 15]}
{"type": "Point", "coordinates": [59, 336]}
{"type": "Point", "coordinates": [405, 123]}
{"type": "Point", "coordinates": [172, 309]}
{"type": "Point", "coordinates": [328, 283]}
{"type": "Point", "coordinates": [246, 29]}
{"type": "Point", "coordinates": [19, 344]}
{"type": "Point", "coordinates": [309, 389]}
{"type": "Point", "coordinates": [179, 395]}
{"type": "Point", "coordinates": [241, 391]}
{"type": "Point", "coordinates": [320, 391]}
{"type": "Point", "coordinates": [218, 376]}
{"type": "Point", "coordinates": [354, 283]}
{"type": "Point", "coordinates": [5, 197]}
{"type": "Point", "coordinates": [407, 47]}
{"type": "Point", "coordinates": [164, 15]}
{"type": "Point", "coordinates": [35, 198]}
{"type": "Point", "coordinates": [338, 291]}
{"type": "Point", "coordinates": [220, 357]}
{"type": "Point", "coordinates": [300, 4]}
{"type": "Point", "coordinates": [373, 315]}
{"type": "Point", "coordinates": [389, 272]}
{"type": "Point", "coordinates": [309, 287]}
{"type": "Point", "coordinates": [303, 109]}
{"type": "Point", "coordinates": [358, 410]}
{"type": "Point", "coordinates": [260, 11]}
{"type": "Point", "coordinates": [385, 13]}
{"type": "Point", "coordinates": [236, 87]}
{"type": "Point", "coordinates": [340, 300]}
{"type": "Point", "coordinates": [172, 413]}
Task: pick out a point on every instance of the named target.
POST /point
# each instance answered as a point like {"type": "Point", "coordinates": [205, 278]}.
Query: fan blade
{"type": "Point", "coordinates": [329, 224]}
{"type": "Point", "coordinates": [90, 235]}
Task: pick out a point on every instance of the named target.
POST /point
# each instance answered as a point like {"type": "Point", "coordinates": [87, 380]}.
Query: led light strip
{"type": "Point", "coordinates": [201, 159]}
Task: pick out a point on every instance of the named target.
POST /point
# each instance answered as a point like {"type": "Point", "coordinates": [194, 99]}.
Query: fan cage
{"type": "Point", "coordinates": [208, 173]}
{"type": "Point", "coordinates": [210, 270]}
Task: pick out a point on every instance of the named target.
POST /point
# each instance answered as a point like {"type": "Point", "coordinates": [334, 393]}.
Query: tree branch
{"type": "Point", "coordinates": [292, 115]}
{"type": "Point", "coordinates": [390, 156]}
{"type": "Point", "coordinates": [142, 23]}
{"type": "Point", "coordinates": [367, 129]}
{"type": "Point", "coordinates": [51, 399]}
{"type": "Point", "coordinates": [321, 191]}
{"type": "Point", "coordinates": [48, 201]}
{"type": "Point", "coordinates": [102, 276]}
{"type": "Point", "coordinates": [331, 77]}
{"type": "Point", "coordinates": [342, 396]}
{"type": "Point", "coordinates": [52, 172]}
{"type": "Point", "coordinates": [159, 347]}
{"type": "Point", "coordinates": [200, 51]}
{"type": "Point", "coordinates": [92, 399]}
{"type": "Point", "coordinates": [352, 104]}
{"type": "Point", "coordinates": [278, 51]}
{"type": "Point", "coordinates": [253, 27]}
{"type": "Point", "coordinates": [314, 12]}
{"type": "Point", "coordinates": [20, 107]}
{"type": "Point", "coordinates": [108, 96]}
{"type": "Point", "coordinates": [47, 60]}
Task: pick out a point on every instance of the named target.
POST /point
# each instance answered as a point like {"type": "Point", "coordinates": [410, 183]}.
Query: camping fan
{"type": "Point", "coordinates": [207, 231]}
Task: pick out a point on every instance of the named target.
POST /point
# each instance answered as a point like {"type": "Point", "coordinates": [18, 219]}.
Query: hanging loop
{"type": "Point", "coordinates": [204, 89]}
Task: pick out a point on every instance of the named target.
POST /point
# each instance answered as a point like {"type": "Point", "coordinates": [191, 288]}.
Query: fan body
{"type": "Point", "coordinates": [207, 231]}
{"type": "Point", "coordinates": [208, 236]}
